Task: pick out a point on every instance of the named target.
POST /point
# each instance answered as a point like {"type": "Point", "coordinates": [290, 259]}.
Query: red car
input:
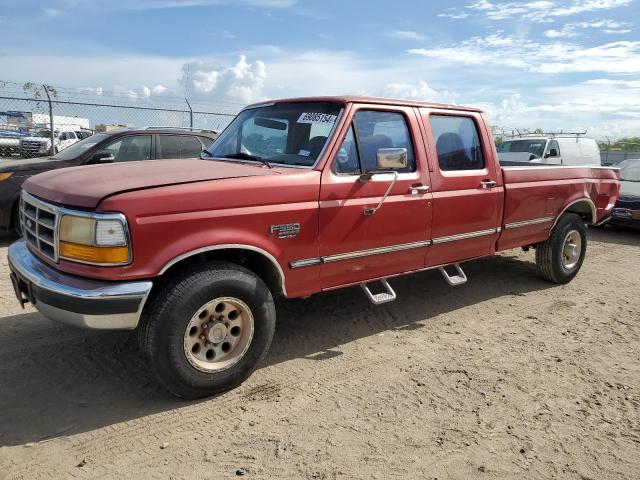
{"type": "Point", "coordinates": [298, 196]}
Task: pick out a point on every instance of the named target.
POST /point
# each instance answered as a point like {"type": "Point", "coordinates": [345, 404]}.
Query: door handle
{"type": "Point", "coordinates": [488, 183]}
{"type": "Point", "coordinates": [419, 190]}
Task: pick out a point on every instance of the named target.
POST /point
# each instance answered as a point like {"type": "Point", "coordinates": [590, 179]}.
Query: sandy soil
{"type": "Point", "coordinates": [504, 377]}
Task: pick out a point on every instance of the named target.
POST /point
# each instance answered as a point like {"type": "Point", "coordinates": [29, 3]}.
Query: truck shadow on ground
{"type": "Point", "coordinates": [56, 380]}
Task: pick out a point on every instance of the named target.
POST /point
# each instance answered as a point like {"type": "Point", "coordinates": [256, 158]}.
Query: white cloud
{"type": "Point", "coordinates": [157, 4]}
{"type": "Point", "coordinates": [543, 10]}
{"type": "Point", "coordinates": [242, 82]}
{"type": "Point", "coordinates": [454, 14]}
{"type": "Point", "coordinates": [606, 26]}
{"type": "Point", "coordinates": [406, 35]}
{"type": "Point", "coordinates": [163, 4]}
{"type": "Point", "coordinates": [603, 107]}
{"type": "Point", "coordinates": [614, 57]}
{"type": "Point", "coordinates": [420, 91]}
{"type": "Point", "coordinates": [501, 11]}
{"type": "Point", "coordinates": [606, 106]}
{"type": "Point", "coordinates": [52, 12]}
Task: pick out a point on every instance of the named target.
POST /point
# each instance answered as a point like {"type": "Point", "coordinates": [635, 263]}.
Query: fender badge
{"type": "Point", "coordinates": [287, 230]}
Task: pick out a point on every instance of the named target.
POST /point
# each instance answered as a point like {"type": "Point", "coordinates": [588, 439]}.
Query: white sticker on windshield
{"type": "Point", "coordinates": [318, 118]}
{"type": "Point", "coordinates": [304, 153]}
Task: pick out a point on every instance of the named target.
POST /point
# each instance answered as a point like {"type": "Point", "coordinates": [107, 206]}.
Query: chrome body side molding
{"type": "Point", "coordinates": [464, 236]}
{"type": "Point", "coordinates": [374, 251]}
{"type": "Point", "coordinates": [525, 223]}
{"type": "Point", "coordinates": [308, 262]}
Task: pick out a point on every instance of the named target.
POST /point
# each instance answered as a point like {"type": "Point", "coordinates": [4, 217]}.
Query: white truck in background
{"type": "Point", "coordinates": [67, 131]}
{"type": "Point", "coordinates": [551, 149]}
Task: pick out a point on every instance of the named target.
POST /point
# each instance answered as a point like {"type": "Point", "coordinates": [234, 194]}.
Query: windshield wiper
{"type": "Point", "coordinates": [247, 156]}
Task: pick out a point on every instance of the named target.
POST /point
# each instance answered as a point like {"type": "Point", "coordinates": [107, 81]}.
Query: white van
{"type": "Point", "coordinates": [552, 150]}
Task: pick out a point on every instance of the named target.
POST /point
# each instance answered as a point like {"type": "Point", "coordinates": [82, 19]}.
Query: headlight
{"type": "Point", "coordinates": [99, 240]}
{"type": "Point", "coordinates": [4, 176]}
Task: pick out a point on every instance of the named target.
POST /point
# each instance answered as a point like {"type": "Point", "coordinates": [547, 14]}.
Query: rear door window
{"type": "Point", "coordinates": [206, 141]}
{"type": "Point", "coordinates": [179, 146]}
{"type": "Point", "coordinates": [190, 147]}
{"type": "Point", "coordinates": [457, 143]}
{"type": "Point", "coordinates": [169, 146]}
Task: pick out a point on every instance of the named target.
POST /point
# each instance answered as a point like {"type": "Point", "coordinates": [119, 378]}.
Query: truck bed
{"type": "Point", "coordinates": [536, 195]}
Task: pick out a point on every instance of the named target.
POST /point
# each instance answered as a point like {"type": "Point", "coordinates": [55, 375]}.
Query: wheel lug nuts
{"type": "Point", "coordinates": [201, 337]}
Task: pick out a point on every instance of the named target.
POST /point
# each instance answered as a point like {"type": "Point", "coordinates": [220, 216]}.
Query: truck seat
{"type": "Point", "coordinates": [370, 146]}
{"type": "Point", "coordinates": [451, 152]}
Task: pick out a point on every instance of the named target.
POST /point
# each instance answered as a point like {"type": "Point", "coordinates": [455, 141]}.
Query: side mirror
{"type": "Point", "coordinates": [391, 158]}
{"type": "Point", "coordinates": [102, 157]}
{"type": "Point", "coordinates": [552, 153]}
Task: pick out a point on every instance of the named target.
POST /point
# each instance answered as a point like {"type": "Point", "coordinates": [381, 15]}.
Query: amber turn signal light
{"type": "Point", "coordinates": [91, 254]}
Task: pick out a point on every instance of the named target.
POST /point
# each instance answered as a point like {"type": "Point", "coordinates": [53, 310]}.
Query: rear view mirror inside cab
{"type": "Point", "coordinates": [269, 123]}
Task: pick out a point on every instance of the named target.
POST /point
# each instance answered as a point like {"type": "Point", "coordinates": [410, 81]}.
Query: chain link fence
{"type": "Point", "coordinates": [36, 116]}
{"type": "Point", "coordinates": [614, 153]}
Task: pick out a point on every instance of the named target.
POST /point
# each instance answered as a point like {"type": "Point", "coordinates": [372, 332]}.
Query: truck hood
{"type": "Point", "coordinates": [86, 186]}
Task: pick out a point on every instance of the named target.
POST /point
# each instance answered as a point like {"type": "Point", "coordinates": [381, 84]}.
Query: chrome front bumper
{"type": "Point", "coordinates": [74, 300]}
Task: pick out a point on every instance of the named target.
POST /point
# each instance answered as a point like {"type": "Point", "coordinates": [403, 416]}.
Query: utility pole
{"type": "Point", "coordinates": [52, 134]}
{"type": "Point", "coordinates": [190, 113]}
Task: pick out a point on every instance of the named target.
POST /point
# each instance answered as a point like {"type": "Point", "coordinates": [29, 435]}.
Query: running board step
{"type": "Point", "coordinates": [454, 280]}
{"type": "Point", "coordinates": [379, 298]}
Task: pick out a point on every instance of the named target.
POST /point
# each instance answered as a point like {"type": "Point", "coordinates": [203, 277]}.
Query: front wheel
{"type": "Point", "coordinates": [560, 257]}
{"type": "Point", "coordinates": [205, 330]}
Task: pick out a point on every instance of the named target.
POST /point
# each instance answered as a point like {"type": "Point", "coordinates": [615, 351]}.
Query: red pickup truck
{"type": "Point", "coordinates": [295, 197]}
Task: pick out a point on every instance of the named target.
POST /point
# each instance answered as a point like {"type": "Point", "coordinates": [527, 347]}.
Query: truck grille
{"type": "Point", "coordinates": [30, 147]}
{"type": "Point", "coordinates": [39, 220]}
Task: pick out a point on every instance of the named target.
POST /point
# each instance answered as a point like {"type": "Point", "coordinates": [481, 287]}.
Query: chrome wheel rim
{"type": "Point", "coordinates": [219, 334]}
{"type": "Point", "coordinates": [571, 249]}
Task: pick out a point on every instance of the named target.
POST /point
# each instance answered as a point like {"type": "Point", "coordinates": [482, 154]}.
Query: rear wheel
{"type": "Point", "coordinates": [206, 329]}
{"type": "Point", "coordinates": [560, 257]}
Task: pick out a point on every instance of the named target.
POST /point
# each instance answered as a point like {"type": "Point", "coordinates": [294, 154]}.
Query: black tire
{"type": "Point", "coordinates": [171, 308]}
{"type": "Point", "coordinates": [552, 264]}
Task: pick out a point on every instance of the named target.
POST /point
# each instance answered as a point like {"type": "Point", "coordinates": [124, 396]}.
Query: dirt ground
{"type": "Point", "coordinates": [504, 377]}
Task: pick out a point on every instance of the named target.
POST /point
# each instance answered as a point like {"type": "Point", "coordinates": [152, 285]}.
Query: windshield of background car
{"type": "Point", "coordinates": [630, 170]}
{"type": "Point", "coordinates": [80, 147]}
{"type": "Point", "coordinates": [536, 147]}
{"type": "Point", "coordinates": [292, 133]}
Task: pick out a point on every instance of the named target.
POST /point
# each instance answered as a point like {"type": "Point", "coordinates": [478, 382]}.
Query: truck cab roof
{"type": "Point", "coordinates": [366, 99]}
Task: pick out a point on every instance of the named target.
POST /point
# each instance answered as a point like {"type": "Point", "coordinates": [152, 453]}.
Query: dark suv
{"type": "Point", "coordinates": [125, 145]}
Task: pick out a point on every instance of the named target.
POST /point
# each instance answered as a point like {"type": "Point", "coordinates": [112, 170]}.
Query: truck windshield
{"type": "Point", "coordinates": [289, 133]}
{"type": "Point", "coordinates": [533, 146]}
{"type": "Point", "coordinates": [80, 147]}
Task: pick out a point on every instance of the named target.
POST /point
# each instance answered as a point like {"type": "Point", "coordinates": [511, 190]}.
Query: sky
{"type": "Point", "coordinates": [551, 64]}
